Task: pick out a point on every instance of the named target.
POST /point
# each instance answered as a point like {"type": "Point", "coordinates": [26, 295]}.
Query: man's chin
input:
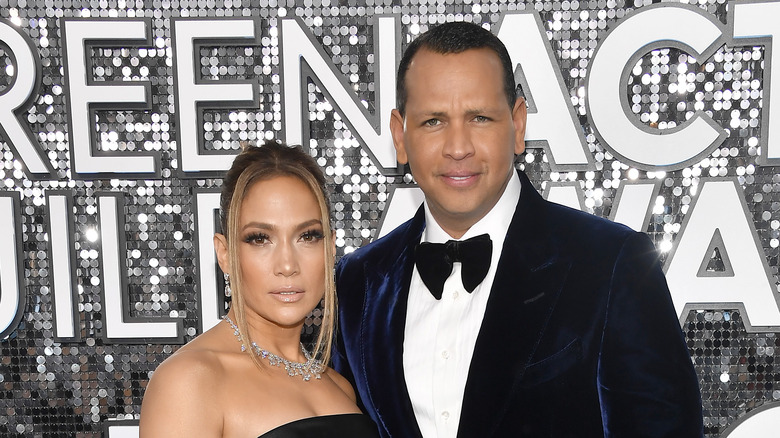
{"type": "Point", "coordinates": [458, 217]}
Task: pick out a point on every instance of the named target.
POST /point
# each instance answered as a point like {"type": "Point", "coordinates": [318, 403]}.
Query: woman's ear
{"type": "Point", "coordinates": [221, 248]}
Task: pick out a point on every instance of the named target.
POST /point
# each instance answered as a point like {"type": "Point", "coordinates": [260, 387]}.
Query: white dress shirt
{"type": "Point", "coordinates": [440, 335]}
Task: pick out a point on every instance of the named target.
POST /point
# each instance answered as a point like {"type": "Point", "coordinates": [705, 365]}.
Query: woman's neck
{"type": "Point", "coordinates": [284, 341]}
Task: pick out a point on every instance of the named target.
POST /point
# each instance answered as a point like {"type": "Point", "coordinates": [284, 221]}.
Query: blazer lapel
{"type": "Point", "coordinates": [384, 319]}
{"type": "Point", "coordinates": [525, 290]}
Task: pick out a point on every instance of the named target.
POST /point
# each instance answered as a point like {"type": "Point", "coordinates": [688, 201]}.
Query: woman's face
{"type": "Point", "coordinates": [281, 251]}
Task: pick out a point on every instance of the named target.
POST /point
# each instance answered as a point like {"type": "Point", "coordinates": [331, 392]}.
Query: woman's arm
{"type": "Point", "coordinates": [182, 398]}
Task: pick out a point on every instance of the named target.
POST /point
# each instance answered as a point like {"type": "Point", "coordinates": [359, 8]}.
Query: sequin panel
{"type": "Point", "coordinates": [75, 387]}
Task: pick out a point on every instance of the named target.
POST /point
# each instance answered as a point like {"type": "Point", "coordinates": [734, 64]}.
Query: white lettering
{"type": "Point", "coordinates": [82, 95]}
{"type": "Point", "coordinates": [760, 422]}
{"type": "Point", "coordinates": [12, 294]}
{"type": "Point", "coordinates": [608, 108]}
{"type": "Point", "coordinates": [373, 131]}
{"type": "Point", "coordinates": [632, 205]}
{"type": "Point", "coordinates": [116, 314]}
{"type": "Point", "coordinates": [18, 96]}
{"type": "Point", "coordinates": [567, 193]}
{"type": "Point", "coordinates": [121, 429]}
{"type": "Point", "coordinates": [552, 124]}
{"type": "Point", "coordinates": [401, 206]}
{"type": "Point", "coordinates": [721, 208]}
{"type": "Point", "coordinates": [210, 314]}
{"type": "Point", "coordinates": [192, 94]}
{"type": "Point", "coordinates": [756, 23]}
{"type": "Point", "coordinates": [62, 284]}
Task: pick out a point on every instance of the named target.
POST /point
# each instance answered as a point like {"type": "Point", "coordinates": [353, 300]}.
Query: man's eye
{"type": "Point", "coordinates": [481, 119]}
{"type": "Point", "coordinates": [432, 122]}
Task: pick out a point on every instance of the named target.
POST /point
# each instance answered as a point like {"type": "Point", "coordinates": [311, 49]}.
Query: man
{"type": "Point", "coordinates": [560, 324]}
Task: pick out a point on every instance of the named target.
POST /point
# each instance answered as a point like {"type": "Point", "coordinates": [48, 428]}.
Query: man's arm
{"type": "Point", "coordinates": [647, 384]}
{"type": "Point", "coordinates": [339, 353]}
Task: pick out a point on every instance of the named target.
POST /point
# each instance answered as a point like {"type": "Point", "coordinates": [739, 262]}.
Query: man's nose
{"type": "Point", "coordinates": [458, 144]}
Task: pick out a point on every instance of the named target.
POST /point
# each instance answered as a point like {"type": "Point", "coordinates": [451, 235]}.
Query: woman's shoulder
{"type": "Point", "coordinates": [186, 389]}
{"type": "Point", "coordinates": [203, 358]}
{"type": "Point", "coordinates": [195, 367]}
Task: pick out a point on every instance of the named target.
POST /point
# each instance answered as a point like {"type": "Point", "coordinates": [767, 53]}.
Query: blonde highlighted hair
{"type": "Point", "coordinates": [261, 163]}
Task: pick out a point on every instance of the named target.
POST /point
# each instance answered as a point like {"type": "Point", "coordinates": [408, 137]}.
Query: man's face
{"type": "Point", "coordinates": [459, 136]}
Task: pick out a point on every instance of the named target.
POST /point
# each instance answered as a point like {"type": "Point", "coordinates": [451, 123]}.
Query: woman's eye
{"type": "Point", "coordinates": [312, 236]}
{"type": "Point", "coordinates": [256, 239]}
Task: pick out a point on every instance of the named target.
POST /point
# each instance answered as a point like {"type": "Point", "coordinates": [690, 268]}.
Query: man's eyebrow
{"type": "Point", "coordinates": [442, 114]}
{"type": "Point", "coordinates": [431, 113]}
{"type": "Point", "coordinates": [476, 111]}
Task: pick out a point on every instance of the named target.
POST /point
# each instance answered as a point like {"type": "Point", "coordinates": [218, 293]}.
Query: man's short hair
{"type": "Point", "coordinates": [455, 37]}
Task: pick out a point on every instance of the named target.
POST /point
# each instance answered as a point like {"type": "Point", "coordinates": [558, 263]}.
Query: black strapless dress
{"type": "Point", "coordinates": [326, 426]}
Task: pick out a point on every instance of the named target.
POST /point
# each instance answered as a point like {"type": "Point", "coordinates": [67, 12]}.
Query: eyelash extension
{"type": "Point", "coordinates": [249, 238]}
{"type": "Point", "coordinates": [314, 234]}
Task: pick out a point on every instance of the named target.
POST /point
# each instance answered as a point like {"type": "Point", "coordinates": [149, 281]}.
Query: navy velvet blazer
{"type": "Point", "coordinates": [579, 339]}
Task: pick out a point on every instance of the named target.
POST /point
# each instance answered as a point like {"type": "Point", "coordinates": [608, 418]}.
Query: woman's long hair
{"type": "Point", "coordinates": [261, 163]}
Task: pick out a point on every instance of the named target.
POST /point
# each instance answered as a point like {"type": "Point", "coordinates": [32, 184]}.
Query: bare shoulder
{"type": "Point", "coordinates": [188, 366]}
{"type": "Point", "coordinates": [183, 394]}
{"type": "Point", "coordinates": [200, 361]}
{"type": "Point", "coordinates": [342, 383]}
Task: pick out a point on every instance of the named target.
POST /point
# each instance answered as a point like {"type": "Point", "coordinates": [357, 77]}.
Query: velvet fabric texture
{"type": "Point", "coordinates": [579, 338]}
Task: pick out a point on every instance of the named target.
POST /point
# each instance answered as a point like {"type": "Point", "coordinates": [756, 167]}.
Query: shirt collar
{"type": "Point", "coordinates": [495, 222]}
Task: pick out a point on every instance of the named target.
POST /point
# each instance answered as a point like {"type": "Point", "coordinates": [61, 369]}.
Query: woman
{"type": "Point", "coordinates": [250, 375]}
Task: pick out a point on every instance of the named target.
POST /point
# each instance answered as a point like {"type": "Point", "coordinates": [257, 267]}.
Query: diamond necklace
{"type": "Point", "coordinates": [311, 368]}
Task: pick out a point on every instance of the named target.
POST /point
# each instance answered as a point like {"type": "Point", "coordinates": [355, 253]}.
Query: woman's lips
{"type": "Point", "coordinates": [288, 295]}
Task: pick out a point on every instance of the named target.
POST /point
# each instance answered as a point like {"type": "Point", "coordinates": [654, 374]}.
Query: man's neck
{"type": "Point", "coordinates": [457, 227]}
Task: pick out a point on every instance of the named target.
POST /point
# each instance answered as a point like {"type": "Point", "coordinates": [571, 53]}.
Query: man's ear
{"type": "Point", "coordinates": [221, 248]}
{"type": "Point", "coordinates": [397, 131]}
{"type": "Point", "coordinates": [519, 116]}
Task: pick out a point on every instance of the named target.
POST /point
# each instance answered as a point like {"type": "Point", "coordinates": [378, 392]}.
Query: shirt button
{"type": "Point", "coordinates": [445, 415]}
{"type": "Point", "coordinates": [445, 354]}
{"type": "Point", "coordinates": [455, 295]}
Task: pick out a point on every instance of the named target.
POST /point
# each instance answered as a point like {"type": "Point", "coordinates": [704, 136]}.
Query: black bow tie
{"type": "Point", "coordinates": [434, 262]}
